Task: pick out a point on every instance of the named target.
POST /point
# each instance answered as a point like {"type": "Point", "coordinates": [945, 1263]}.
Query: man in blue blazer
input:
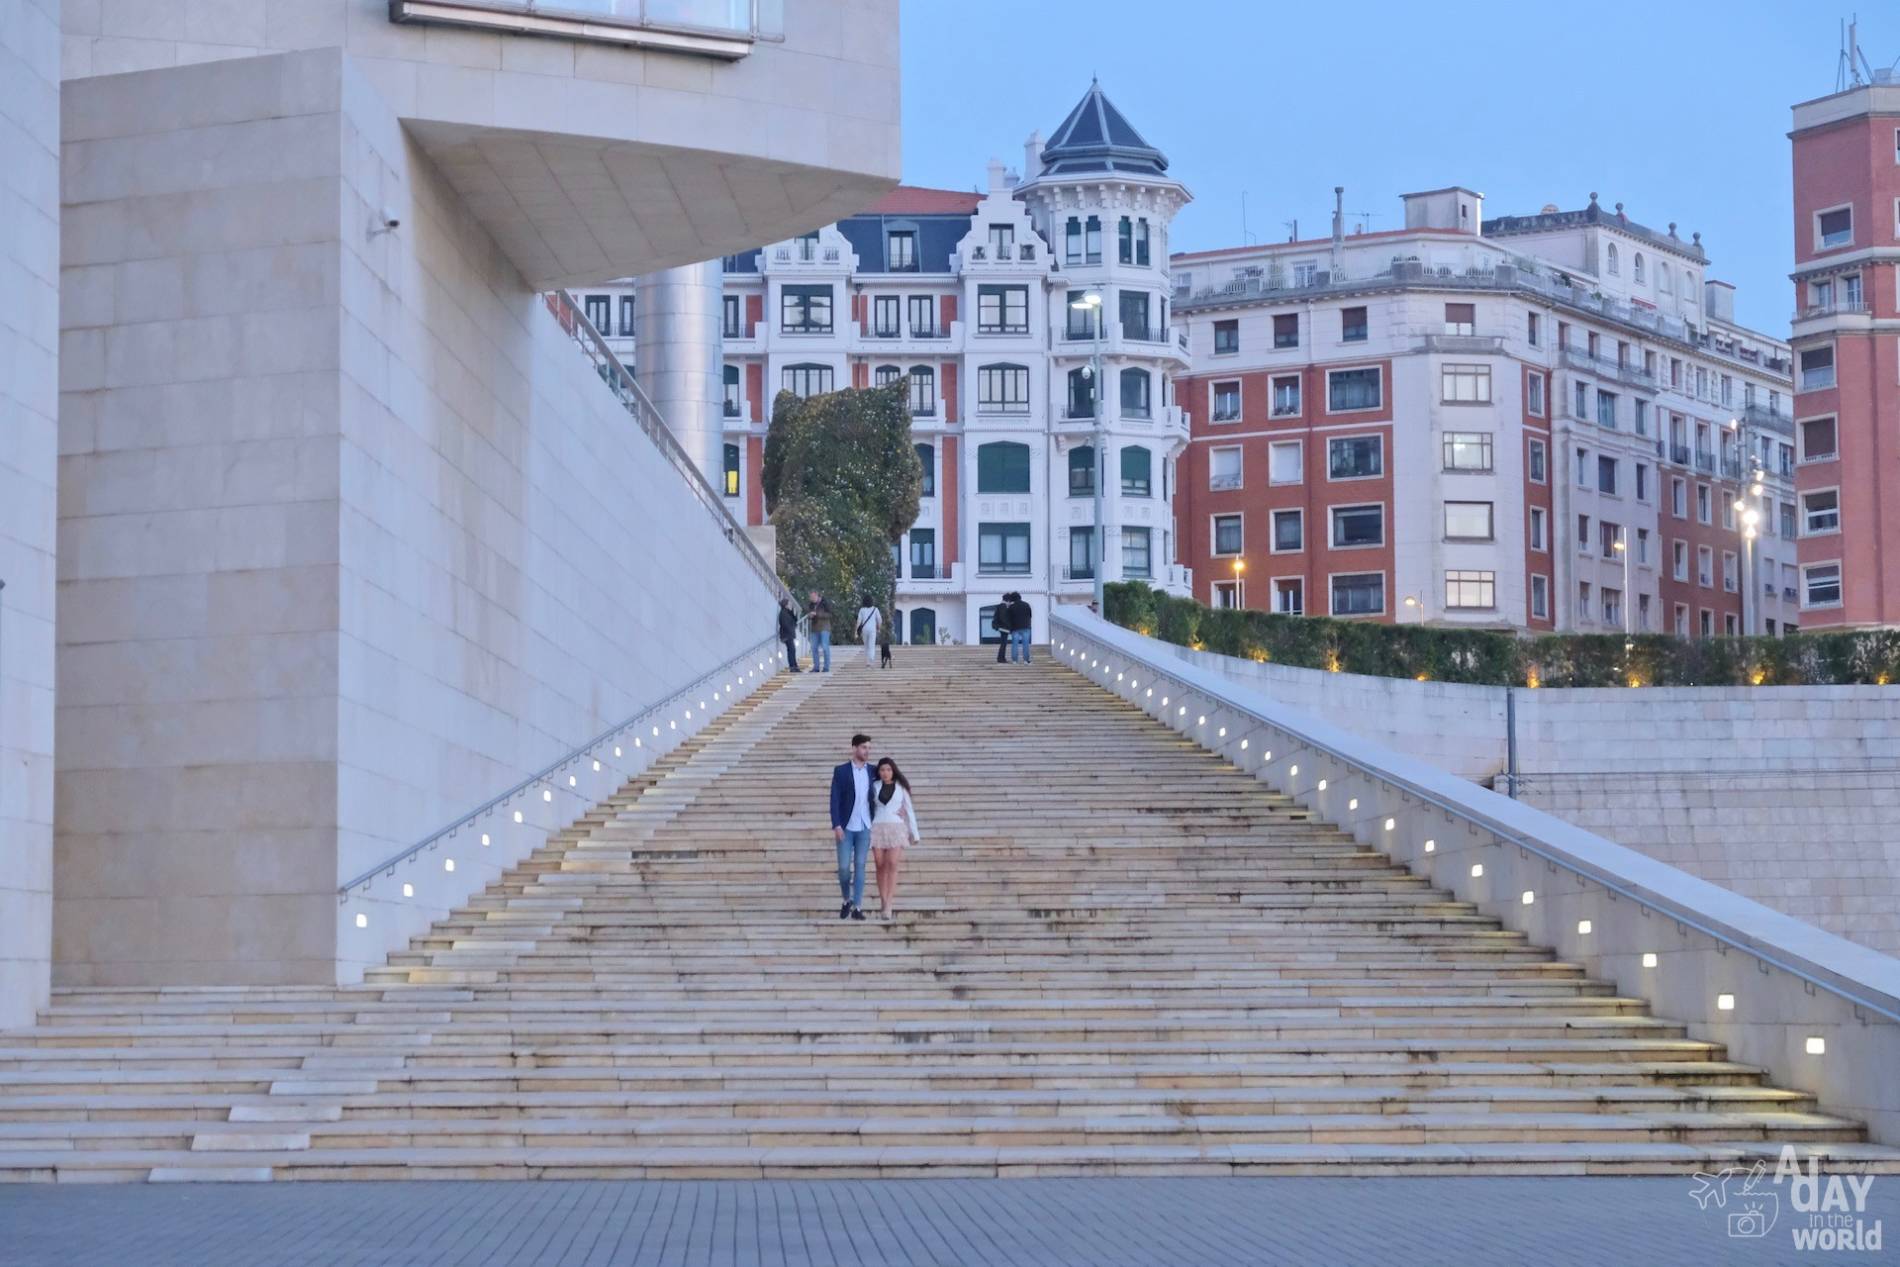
{"type": "Point", "coordinates": [851, 824]}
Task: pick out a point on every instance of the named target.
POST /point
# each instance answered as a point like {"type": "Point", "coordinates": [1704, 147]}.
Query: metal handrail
{"type": "Point", "coordinates": [545, 775]}
{"type": "Point", "coordinates": [620, 381]}
{"type": "Point", "coordinates": [1505, 834]}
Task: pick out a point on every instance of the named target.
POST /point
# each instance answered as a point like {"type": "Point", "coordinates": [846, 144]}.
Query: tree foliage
{"type": "Point", "coordinates": [842, 484]}
{"type": "Point", "coordinates": [1505, 659]}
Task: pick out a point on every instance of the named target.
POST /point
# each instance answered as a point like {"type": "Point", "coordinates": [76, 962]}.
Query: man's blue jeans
{"type": "Point", "coordinates": [1019, 645]}
{"type": "Point", "coordinates": [852, 851]}
{"type": "Point", "coordinates": [821, 651]}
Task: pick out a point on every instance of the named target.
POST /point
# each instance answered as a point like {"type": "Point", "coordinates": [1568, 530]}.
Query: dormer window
{"type": "Point", "coordinates": [901, 250]}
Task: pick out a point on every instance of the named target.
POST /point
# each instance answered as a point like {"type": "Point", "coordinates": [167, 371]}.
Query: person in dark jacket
{"type": "Point", "coordinates": [999, 624]}
{"type": "Point", "coordinates": [820, 612]}
{"type": "Point", "coordinates": [1021, 621]}
{"type": "Point", "coordinates": [788, 632]}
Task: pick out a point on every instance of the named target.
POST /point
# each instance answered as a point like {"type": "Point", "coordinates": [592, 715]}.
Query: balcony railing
{"type": "Point", "coordinates": [1679, 454]}
{"type": "Point", "coordinates": [1078, 571]}
{"type": "Point", "coordinates": [1834, 308]}
{"type": "Point", "coordinates": [1705, 460]}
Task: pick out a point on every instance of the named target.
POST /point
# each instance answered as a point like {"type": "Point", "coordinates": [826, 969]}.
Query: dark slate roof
{"type": "Point", "coordinates": [937, 238]}
{"type": "Point", "coordinates": [1096, 137]}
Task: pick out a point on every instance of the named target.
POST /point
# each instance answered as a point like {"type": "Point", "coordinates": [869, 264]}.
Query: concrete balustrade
{"type": "Point", "coordinates": [1764, 984]}
{"type": "Point", "coordinates": [381, 911]}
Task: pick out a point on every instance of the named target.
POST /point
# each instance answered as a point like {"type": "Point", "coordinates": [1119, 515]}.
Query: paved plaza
{"type": "Point", "coordinates": [917, 1223]}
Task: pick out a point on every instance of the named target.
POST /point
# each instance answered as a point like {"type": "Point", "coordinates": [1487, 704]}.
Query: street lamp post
{"type": "Point", "coordinates": [1091, 304]}
{"type": "Point", "coordinates": [1621, 546]}
{"type": "Point", "coordinates": [1240, 565]}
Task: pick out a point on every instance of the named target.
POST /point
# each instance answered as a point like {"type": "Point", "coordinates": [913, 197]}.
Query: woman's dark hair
{"type": "Point", "coordinates": [897, 775]}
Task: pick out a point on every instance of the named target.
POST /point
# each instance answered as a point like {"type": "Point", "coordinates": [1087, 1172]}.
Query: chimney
{"type": "Point", "coordinates": [1339, 230]}
{"type": "Point", "coordinates": [1032, 155]}
{"type": "Point", "coordinates": [999, 178]}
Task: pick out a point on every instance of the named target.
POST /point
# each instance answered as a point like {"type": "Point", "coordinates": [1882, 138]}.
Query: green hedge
{"type": "Point", "coordinates": [1870, 657]}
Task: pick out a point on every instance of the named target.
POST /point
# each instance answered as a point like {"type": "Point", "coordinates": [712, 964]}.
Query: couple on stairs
{"type": "Point", "coordinates": [871, 811]}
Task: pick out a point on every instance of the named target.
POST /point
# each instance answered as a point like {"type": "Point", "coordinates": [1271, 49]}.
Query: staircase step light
{"type": "Point", "coordinates": [1390, 823]}
{"type": "Point", "coordinates": [484, 840]}
{"type": "Point", "coordinates": [1353, 804]}
{"type": "Point", "coordinates": [1293, 773]}
{"type": "Point", "coordinates": [1583, 928]}
{"type": "Point", "coordinates": [362, 920]}
{"type": "Point", "coordinates": [1431, 846]}
{"type": "Point", "coordinates": [448, 864]}
{"type": "Point", "coordinates": [1649, 959]}
{"type": "Point", "coordinates": [1322, 785]}
{"type": "Point", "coordinates": [1725, 1003]}
{"type": "Point", "coordinates": [518, 816]}
{"type": "Point", "coordinates": [1477, 870]}
{"type": "Point", "coordinates": [1529, 897]}
{"type": "Point", "coordinates": [408, 890]}
{"type": "Point", "coordinates": [547, 793]}
{"type": "Point", "coordinates": [1817, 1046]}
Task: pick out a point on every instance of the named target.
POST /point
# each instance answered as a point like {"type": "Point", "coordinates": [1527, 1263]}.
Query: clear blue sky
{"type": "Point", "coordinates": [1678, 110]}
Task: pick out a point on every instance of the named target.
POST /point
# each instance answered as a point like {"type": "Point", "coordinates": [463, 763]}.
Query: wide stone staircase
{"type": "Point", "coordinates": [1114, 953]}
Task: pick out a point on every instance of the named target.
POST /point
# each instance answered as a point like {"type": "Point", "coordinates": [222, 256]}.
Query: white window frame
{"type": "Point", "coordinates": [1802, 523]}
{"type": "Point", "coordinates": [1834, 369]}
{"type": "Point", "coordinates": [1539, 530]}
{"type": "Point", "coordinates": [1213, 393]}
{"type": "Point", "coordinates": [1240, 467]}
{"type": "Point", "coordinates": [1537, 442]}
{"type": "Point", "coordinates": [1679, 560]}
{"type": "Point", "coordinates": [1679, 497]}
{"type": "Point", "coordinates": [1801, 457]}
{"type": "Point", "coordinates": [1332, 523]}
{"type": "Point", "coordinates": [1273, 529]}
{"type": "Point", "coordinates": [1705, 554]}
{"type": "Point", "coordinates": [1346, 369]}
{"type": "Point", "coordinates": [1840, 584]}
{"type": "Point", "coordinates": [1731, 572]}
{"type": "Point", "coordinates": [1299, 458]}
{"type": "Point", "coordinates": [1491, 521]}
{"type": "Point", "coordinates": [1536, 410]}
{"type": "Point", "coordinates": [1371, 615]}
{"type": "Point", "coordinates": [1480, 376]}
{"type": "Point", "coordinates": [1213, 534]}
{"type": "Point", "coordinates": [1351, 479]}
{"type": "Point", "coordinates": [1818, 212]}
{"type": "Point", "coordinates": [1540, 611]}
{"type": "Point", "coordinates": [1300, 581]}
{"type": "Point", "coordinates": [1481, 577]}
{"type": "Point", "coordinates": [1299, 395]}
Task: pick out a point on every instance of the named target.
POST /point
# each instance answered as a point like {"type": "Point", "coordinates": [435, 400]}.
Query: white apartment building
{"type": "Point", "coordinates": [1541, 422]}
{"type": "Point", "coordinates": [995, 306]}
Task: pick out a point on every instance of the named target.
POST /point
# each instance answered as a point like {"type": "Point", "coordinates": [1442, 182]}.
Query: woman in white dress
{"type": "Point", "coordinates": [869, 618]}
{"type": "Point", "coordinates": [893, 826]}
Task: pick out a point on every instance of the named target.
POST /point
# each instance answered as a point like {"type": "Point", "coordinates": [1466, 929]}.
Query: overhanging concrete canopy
{"type": "Point", "coordinates": [570, 209]}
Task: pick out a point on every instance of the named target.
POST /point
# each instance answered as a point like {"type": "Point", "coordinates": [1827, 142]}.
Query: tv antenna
{"type": "Point", "coordinates": [1852, 69]}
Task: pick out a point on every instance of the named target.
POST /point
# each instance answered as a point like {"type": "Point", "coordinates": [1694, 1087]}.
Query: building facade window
{"type": "Point", "coordinates": [1821, 585]}
{"type": "Point", "coordinates": [1467, 588]}
{"type": "Point", "coordinates": [1226, 402]}
{"type": "Point", "coordinates": [900, 250]}
{"type": "Point", "coordinates": [1467, 450]}
{"type": "Point", "coordinates": [1351, 390]}
{"type": "Point", "coordinates": [1358, 594]}
{"type": "Point", "coordinates": [1289, 595]}
{"type": "Point", "coordinates": [927, 458]}
{"type": "Point", "coordinates": [1226, 337]}
{"type": "Point", "coordinates": [1082, 471]}
{"type": "Point", "coordinates": [1461, 319]}
{"type": "Point", "coordinates": [1286, 396]}
{"type": "Point", "coordinates": [1003, 389]}
{"type": "Point", "coordinates": [1223, 468]}
{"type": "Point", "coordinates": [1540, 597]}
{"type": "Point", "coordinates": [1465, 384]}
{"type": "Point", "coordinates": [1606, 474]}
{"type": "Point", "coordinates": [1286, 330]}
{"type": "Point", "coordinates": [1468, 521]}
{"type": "Point", "coordinates": [923, 554]}
{"type": "Point", "coordinates": [1002, 466]}
{"type": "Point", "coordinates": [626, 317]}
{"type": "Point", "coordinates": [1355, 457]}
{"type": "Point", "coordinates": [1081, 554]}
{"type": "Point", "coordinates": [1081, 393]}
{"type": "Point", "coordinates": [1818, 440]}
{"type": "Point", "coordinates": [1229, 537]}
{"type": "Point", "coordinates": [729, 325]}
{"type": "Point", "coordinates": [1352, 325]}
{"type": "Point", "coordinates": [733, 401]}
{"type": "Point", "coordinates": [1834, 227]}
{"type": "Point", "coordinates": [1537, 462]}
{"type": "Point", "coordinates": [1136, 562]}
{"type": "Point", "coordinates": [600, 313]}
{"type": "Point", "coordinates": [923, 391]}
{"type": "Point", "coordinates": [1540, 528]}
{"type": "Point", "coordinates": [1289, 531]}
{"type": "Point", "coordinates": [806, 380]}
{"type": "Point", "coordinates": [1002, 310]}
{"type": "Point", "coordinates": [1136, 465]}
{"type": "Point", "coordinates": [1134, 394]}
{"type": "Point", "coordinates": [1002, 549]}
{"type": "Point", "coordinates": [1820, 512]}
{"type": "Point", "coordinates": [805, 310]}
{"type": "Point", "coordinates": [1358, 526]}
{"type": "Point", "coordinates": [1283, 462]}
{"type": "Point", "coordinates": [732, 470]}
{"type": "Point", "coordinates": [1534, 395]}
{"type": "Point", "coordinates": [1817, 369]}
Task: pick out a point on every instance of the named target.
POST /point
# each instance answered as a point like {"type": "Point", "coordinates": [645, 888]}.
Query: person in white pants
{"type": "Point", "coordinates": [869, 618]}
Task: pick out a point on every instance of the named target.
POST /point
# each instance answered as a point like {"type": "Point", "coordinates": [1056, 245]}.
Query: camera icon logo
{"type": "Point", "coordinates": [1752, 1222]}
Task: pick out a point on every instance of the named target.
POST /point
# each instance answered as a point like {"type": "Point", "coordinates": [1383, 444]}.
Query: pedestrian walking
{"type": "Point", "coordinates": [893, 826]}
{"type": "Point", "coordinates": [999, 625]}
{"type": "Point", "coordinates": [869, 618]}
{"type": "Point", "coordinates": [788, 632]}
{"type": "Point", "coordinates": [820, 613]}
{"type": "Point", "coordinates": [851, 824]}
{"type": "Point", "coordinates": [1021, 622]}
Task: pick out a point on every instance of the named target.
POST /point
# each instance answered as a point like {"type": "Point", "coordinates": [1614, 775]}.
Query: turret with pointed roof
{"type": "Point", "coordinates": [1096, 137]}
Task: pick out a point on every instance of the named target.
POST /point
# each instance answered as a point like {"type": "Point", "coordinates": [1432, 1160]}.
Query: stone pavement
{"type": "Point", "coordinates": [1087, 1222]}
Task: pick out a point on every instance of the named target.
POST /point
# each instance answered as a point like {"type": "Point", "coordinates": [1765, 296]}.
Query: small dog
{"type": "Point", "coordinates": [884, 653]}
